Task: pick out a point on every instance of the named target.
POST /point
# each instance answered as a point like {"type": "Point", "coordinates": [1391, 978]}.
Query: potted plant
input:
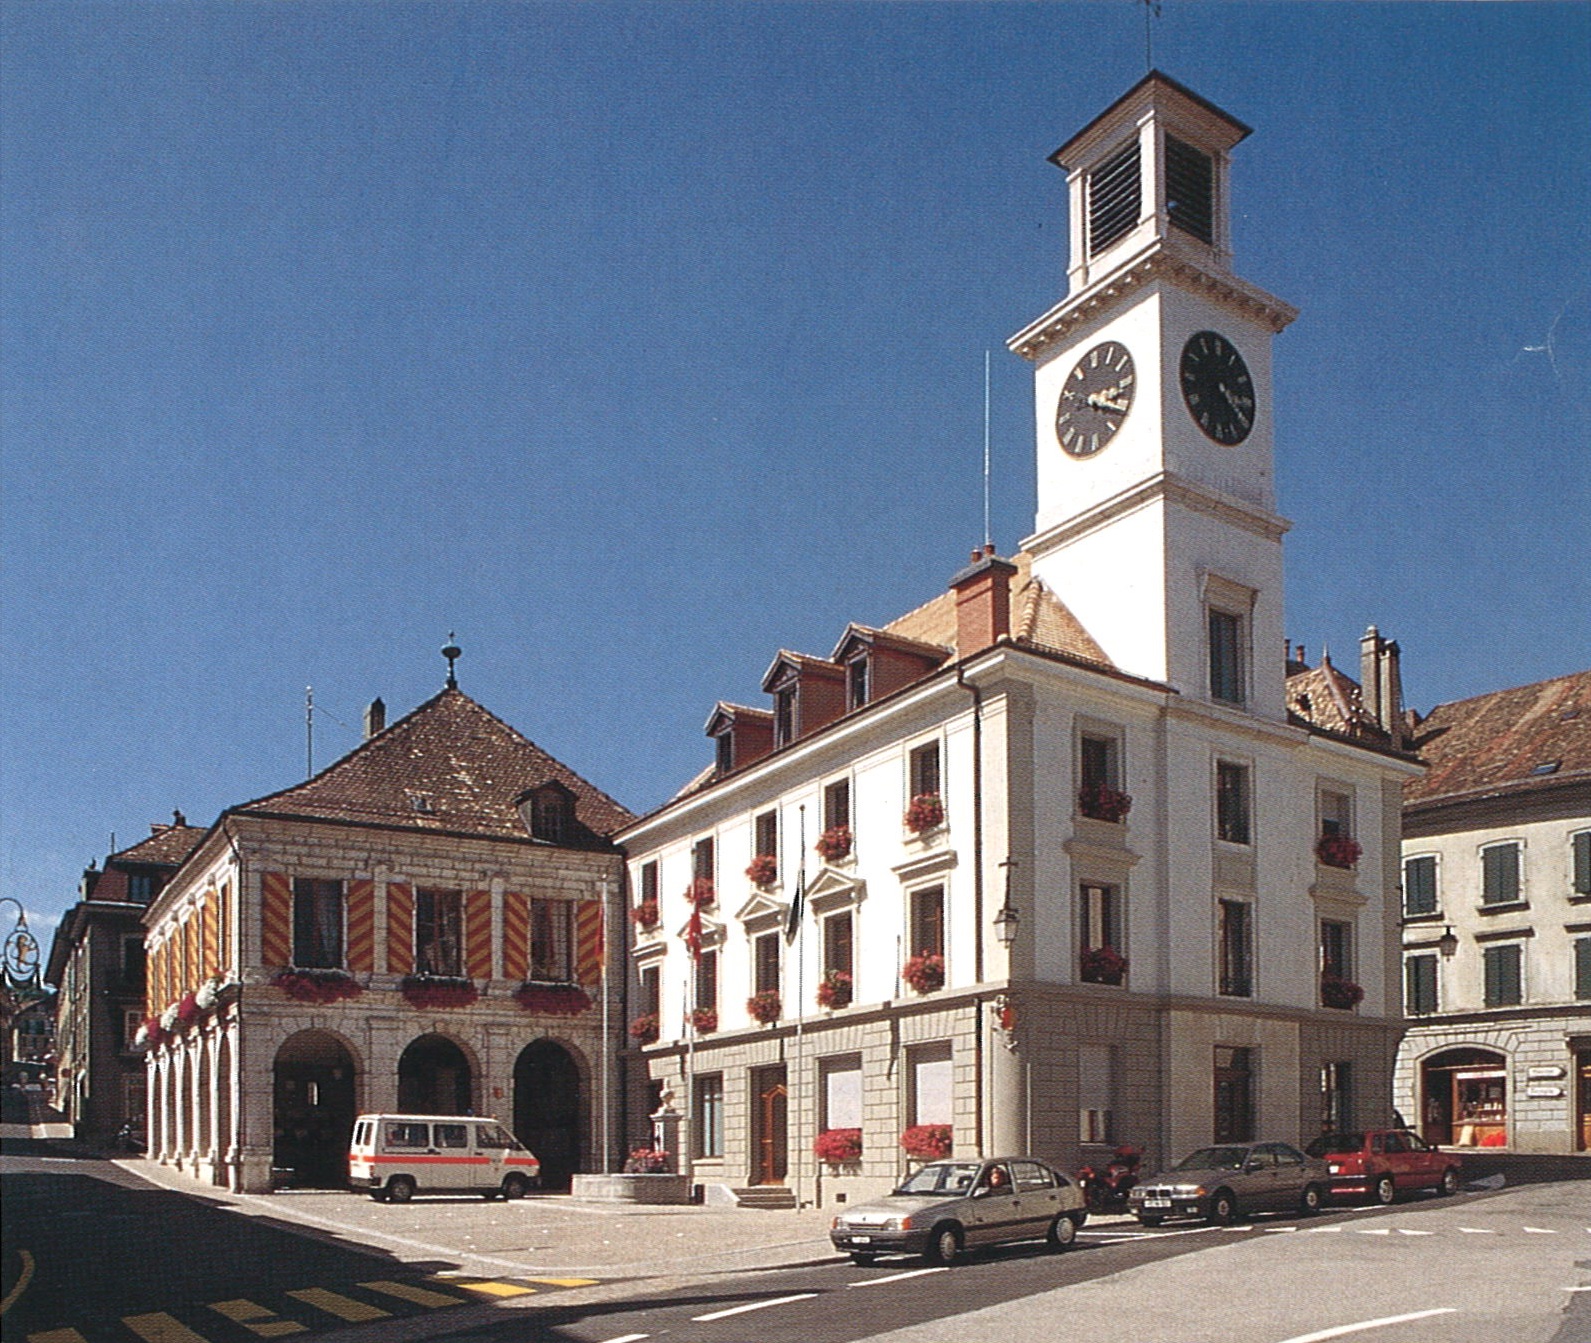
{"type": "Point", "coordinates": [838, 1146]}
{"type": "Point", "coordinates": [552, 1000]}
{"type": "Point", "coordinates": [644, 915]}
{"type": "Point", "coordinates": [926, 1142]}
{"type": "Point", "coordinates": [925, 971]}
{"type": "Point", "coordinates": [316, 986]}
{"type": "Point", "coordinates": [1102, 803]}
{"type": "Point", "coordinates": [705, 1020]}
{"type": "Point", "coordinates": [925, 813]}
{"type": "Point", "coordinates": [1335, 991]}
{"type": "Point", "coordinates": [1337, 850]}
{"type": "Point", "coordinates": [644, 1029]}
{"type": "Point", "coordinates": [1103, 965]}
{"type": "Point", "coordinates": [646, 1161]}
{"type": "Point", "coordinates": [764, 870]}
{"type": "Point", "coordinates": [765, 1007]}
{"type": "Point", "coordinates": [834, 989]}
{"type": "Point", "coordinates": [434, 991]}
{"type": "Point", "coordinates": [834, 844]}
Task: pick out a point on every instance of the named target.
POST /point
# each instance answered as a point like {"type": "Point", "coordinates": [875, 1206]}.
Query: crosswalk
{"type": "Point", "coordinates": [304, 1310]}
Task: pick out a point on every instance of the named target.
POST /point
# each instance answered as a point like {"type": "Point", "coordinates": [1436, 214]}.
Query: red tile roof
{"type": "Point", "coordinates": [168, 846]}
{"type": "Point", "coordinates": [1325, 697]}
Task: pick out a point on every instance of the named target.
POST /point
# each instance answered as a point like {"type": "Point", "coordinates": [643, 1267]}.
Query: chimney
{"type": "Point", "coordinates": [983, 602]}
{"type": "Point", "coordinates": [1392, 689]}
{"type": "Point", "coordinates": [1381, 681]}
{"type": "Point", "coordinates": [375, 717]}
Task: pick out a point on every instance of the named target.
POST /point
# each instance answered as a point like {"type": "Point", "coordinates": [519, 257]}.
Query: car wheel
{"type": "Point", "coordinates": [1223, 1207]}
{"type": "Point", "coordinates": [1150, 1221]}
{"type": "Point", "coordinates": [861, 1259]}
{"type": "Point", "coordinates": [1386, 1190]}
{"type": "Point", "coordinates": [515, 1186]}
{"type": "Point", "coordinates": [400, 1189]}
{"type": "Point", "coordinates": [945, 1245]}
{"type": "Point", "coordinates": [1309, 1204]}
{"type": "Point", "coordinates": [1063, 1231]}
{"type": "Point", "coordinates": [1450, 1181]}
{"type": "Point", "coordinates": [1079, 1217]}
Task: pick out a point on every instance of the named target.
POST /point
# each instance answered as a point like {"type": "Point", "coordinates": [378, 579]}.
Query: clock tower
{"type": "Point", "coordinates": [1156, 519]}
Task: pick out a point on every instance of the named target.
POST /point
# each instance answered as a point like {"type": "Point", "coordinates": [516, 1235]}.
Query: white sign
{"type": "Point", "coordinates": [1543, 1072]}
{"type": "Point", "coordinates": [1538, 1092]}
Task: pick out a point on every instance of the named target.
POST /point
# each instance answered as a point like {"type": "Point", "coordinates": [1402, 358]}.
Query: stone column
{"type": "Point", "coordinates": [1008, 1119]}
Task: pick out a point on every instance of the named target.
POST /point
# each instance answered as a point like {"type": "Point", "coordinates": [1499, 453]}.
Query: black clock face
{"type": "Point", "coordinates": [1095, 399]}
{"type": "Point", "coordinates": [1217, 387]}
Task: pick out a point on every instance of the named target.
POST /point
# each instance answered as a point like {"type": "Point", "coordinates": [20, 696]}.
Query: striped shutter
{"type": "Point", "coordinates": [209, 917]}
{"type": "Point", "coordinates": [276, 920]}
{"type": "Point", "coordinates": [361, 957]}
{"type": "Point", "coordinates": [223, 919]}
{"type": "Point", "coordinates": [400, 928]}
{"type": "Point", "coordinates": [155, 969]}
{"type": "Point", "coordinates": [588, 941]}
{"type": "Point", "coordinates": [478, 934]}
{"type": "Point", "coordinates": [516, 936]}
{"type": "Point", "coordinates": [190, 953]}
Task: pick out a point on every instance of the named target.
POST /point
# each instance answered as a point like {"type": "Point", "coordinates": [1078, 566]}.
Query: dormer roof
{"type": "Point", "coordinates": [803, 664]}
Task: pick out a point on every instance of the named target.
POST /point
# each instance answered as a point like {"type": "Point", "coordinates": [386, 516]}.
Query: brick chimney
{"type": "Point", "coordinates": [983, 601]}
{"type": "Point", "coordinates": [1381, 680]}
{"type": "Point", "coordinates": [375, 717]}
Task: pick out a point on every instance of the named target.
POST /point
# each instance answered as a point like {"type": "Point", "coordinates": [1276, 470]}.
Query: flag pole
{"type": "Point", "coordinates": [607, 1042]}
{"type": "Point", "coordinates": [798, 919]}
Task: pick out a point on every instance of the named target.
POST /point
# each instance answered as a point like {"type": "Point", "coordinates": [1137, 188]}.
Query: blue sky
{"type": "Point", "coordinates": [634, 342]}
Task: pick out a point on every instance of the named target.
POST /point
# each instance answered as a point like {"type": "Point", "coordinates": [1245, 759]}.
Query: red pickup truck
{"type": "Point", "coordinates": [1383, 1163]}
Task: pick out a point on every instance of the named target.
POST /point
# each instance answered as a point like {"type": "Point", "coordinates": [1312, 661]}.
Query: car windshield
{"type": "Point", "coordinates": [1213, 1158]}
{"type": "Point", "coordinates": [942, 1177]}
{"type": "Point", "coordinates": [1329, 1144]}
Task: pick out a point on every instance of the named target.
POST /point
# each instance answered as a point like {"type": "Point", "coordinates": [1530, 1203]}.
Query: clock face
{"type": "Point", "coordinates": [1217, 388]}
{"type": "Point", "coordinates": [1095, 399]}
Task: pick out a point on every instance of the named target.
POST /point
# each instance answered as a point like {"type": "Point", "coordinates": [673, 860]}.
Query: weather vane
{"type": "Point", "coordinates": [1151, 12]}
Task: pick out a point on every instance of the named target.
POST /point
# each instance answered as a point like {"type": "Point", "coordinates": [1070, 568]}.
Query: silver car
{"type": "Point", "coordinates": [947, 1207]}
{"type": "Point", "coordinates": [1220, 1183]}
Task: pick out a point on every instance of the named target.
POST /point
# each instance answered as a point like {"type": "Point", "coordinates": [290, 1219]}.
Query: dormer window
{"type": "Point", "coordinates": [1115, 198]}
{"type": "Point", "coordinates": [551, 813]}
{"type": "Point", "coordinates": [1190, 189]}
{"type": "Point", "coordinates": [784, 716]}
{"type": "Point", "coordinates": [725, 748]}
{"type": "Point", "coordinates": [857, 682]}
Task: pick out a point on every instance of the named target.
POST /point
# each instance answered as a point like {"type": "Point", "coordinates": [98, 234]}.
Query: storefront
{"type": "Point", "coordinates": [1465, 1099]}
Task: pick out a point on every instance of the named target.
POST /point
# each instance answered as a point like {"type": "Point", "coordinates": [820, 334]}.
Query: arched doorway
{"type": "Point", "coordinates": [547, 1109]}
{"type": "Point", "coordinates": [434, 1078]}
{"type": "Point", "coordinates": [1464, 1098]}
{"type": "Point", "coordinates": [314, 1113]}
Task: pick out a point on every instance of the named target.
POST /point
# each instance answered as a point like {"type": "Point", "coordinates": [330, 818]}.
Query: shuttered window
{"type": "Point", "coordinates": [1582, 968]}
{"type": "Point", "coordinates": [1419, 886]}
{"type": "Point", "coordinates": [1504, 978]}
{"type": "Point", "coordinates": [1582, 863]}
{"type": "Point", "coordinates": [1115, 196]}
{"type": "Point", "coordinates": [1499, 874]}
{"type": "Point", "coordinates": [1419, 983]}
{"type": "Point", "coordinates": [1190, 189]}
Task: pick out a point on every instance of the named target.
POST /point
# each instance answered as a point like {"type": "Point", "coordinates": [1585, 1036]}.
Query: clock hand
{"type": "Point", "coordinates": [1101, 402]}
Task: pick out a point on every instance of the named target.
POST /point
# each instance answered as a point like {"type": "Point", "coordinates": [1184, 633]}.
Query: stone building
{"type": "Point", "coordinates": [1060, 859]}
{"type": "Point", "coordinates": [1497, 922]}
{"type": "Point", "coordinates": [418, 927]}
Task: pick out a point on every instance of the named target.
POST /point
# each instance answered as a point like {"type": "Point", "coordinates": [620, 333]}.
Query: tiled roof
{"type": "Point", "coordinates": [168, 846]}
{"type": "Point", "coordinates": [449, 766]}
{"type": "Point", "coordinates": [1498, 742]}
{"type": "Point", "coordinates": [1325, 697]}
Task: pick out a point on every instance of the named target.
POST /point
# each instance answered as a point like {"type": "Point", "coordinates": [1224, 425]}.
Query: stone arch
{"type": "Point", "coordinates": [204, 1143]}
{"type": "Point", "coordinates": [225, 1144]}
{"type": "Point", "coordinates": [314, 1106]}
{"type": "Point", "coordinates": [1464, 1097]}
{"type": "Point", "coordinates": [549, 1108]}
{"type": "Point", "coordinates": [436, 1076]}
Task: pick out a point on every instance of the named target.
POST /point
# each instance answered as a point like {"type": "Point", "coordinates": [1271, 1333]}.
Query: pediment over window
{"type": "Point", "coordinates": [712, 932]}
{"type": "Point", "coordinates": [647, 953]}
{"type": "Point", "coordinates": [925, 865]}
{"type": "Point", "coordinates": [833, 890]}
{"type": "Point", "coordinates": [762, 914]}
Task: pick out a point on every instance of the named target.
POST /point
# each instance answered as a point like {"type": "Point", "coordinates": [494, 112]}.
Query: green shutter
{"type": "Point", "coordinates": [1582, 968]}
{"type": "Point", "coordinates": [1582, 863]}
{"type": "Point", "coordinates": [1500, 874]}
{"type": "Point", "coordinates": [1419, 886]}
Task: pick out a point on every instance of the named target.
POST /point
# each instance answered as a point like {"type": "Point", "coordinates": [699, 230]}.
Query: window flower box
{"type": "Point", "coordinates": [834, 990]}
{"type": "Point", "coordinates": [644, 915]}
{"type": "Point", "coordinates": [644, 1029]}
{"type": "Point", "coordinates": [838, 1146]}
{"type": "Point", "coordinates": [552, 1000]}
{"type": "Point", "coordinates": [1338, 850]}
{"type": "Point", "coordinates": [926, 812]}
{"type": "Point", "coordinates": [926, 1142]}
{"type": "Point", "coordinates": [765, 1007]}
{"type": "Point", "coordinates": [438, 991]}
{"type": "Point", "coordinates": [187, 1009]}
{"type": "Point", "coordinates": [925, 971]}
{"type": "Point", "coordinates": [700, 893]}
{"type": "Point", "coordinates": [705, 1020]}
{"type": "Point", "coordinates": [1103, 965]}
{"type": "Point", "coordinates": [1100, 803]}
{"type": "Point", "coordinates": [1335, 991]}
{"type": "Point", "coordinates": [317, 986]}
{"type": "Point", "coordinates": [834, 844]}
{"type": "Point", "coordinates": [764, 870]}
{"type": "Point", "coordinates": [151, 1035]}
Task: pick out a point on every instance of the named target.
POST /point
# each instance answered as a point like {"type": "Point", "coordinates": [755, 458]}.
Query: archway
{"type": "Point", "coordinates": [547, 1109]}
{"type": "Point", "coordinates": [314, 1109]}
{"type": "Point", "coordinates": [1464, 1098]}
{"type": "Point", "coordinates": [434, 1078]}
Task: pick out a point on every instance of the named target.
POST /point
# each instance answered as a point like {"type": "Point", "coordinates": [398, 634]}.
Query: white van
{"type": "Point", "coordinates": [395, 1157]}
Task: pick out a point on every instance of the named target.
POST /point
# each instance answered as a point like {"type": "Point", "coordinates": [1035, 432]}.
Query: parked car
{"type": "Point", "coordinates": [947, 1207]}
{"type": "Point", "coordinates": [1221, 1183]}
{"type": "Point", "coordinates": [1380, 1164]}
{"type": "Point", "coordinates": [394, 1157]}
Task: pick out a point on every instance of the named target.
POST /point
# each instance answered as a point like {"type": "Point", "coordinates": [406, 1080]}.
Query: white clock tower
{"type": "Point", "coordinates": [1156, 516]}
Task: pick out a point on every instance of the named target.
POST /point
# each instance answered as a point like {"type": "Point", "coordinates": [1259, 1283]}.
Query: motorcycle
{"type": "Point", "coordinates": [129, 1140]}
{"type": "Point", "coordinates": [1106, 1190]}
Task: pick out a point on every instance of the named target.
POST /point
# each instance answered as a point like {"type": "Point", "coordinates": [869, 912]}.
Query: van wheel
{"type": "Point", "coordinates": [1386, 1190]}
{"type": "Point", "coordinates": [515, 1186]}
{"type": "Point", "coordinates": [378, 1195]}
{"type": "Point", "coordinates": [400, 1189]}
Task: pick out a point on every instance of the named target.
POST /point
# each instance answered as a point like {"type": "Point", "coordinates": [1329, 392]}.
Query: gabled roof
{"type": "Point", "coordinates": [450, 766]}
{"type": "Point", "coordinates": [1498, 742]}
{"type": "Point", "coordinates": [168, 846]}
{"type": "Point", "coordinates": [1324, 697]}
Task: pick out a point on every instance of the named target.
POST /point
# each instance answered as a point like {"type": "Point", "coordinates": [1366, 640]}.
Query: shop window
{"type": "Point", "coordinates": [439, 932]}
{"type": "Point", "coordinates": [930, 1085]}
{"type": "Point", "coordinates": [1232, 802]}
{"type": "Point", "coordinates": [1419, 886]}
{"type": "Point", "coordinates": [1500, 874]}
{"type": "Point", "coordinates": [1504, 975]}
{"type": "Point", "coordinates": [551, 940]}
{"type": "Point", "coordinates": [1419, 984]}
{"type": "Point", "coordinates": [1236, 968]}
{"type": "Point", "coordinates": [709, 1089]}
{"type": "Point", "coordinates": [841, 1092]}
{"type": "Point", "coordinates": [317, 924]}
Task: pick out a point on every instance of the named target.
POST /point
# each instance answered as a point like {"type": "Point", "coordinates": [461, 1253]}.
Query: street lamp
{"type": "Point", "coordinates": [1447, 944]}
{"type": "Point", "coordinates": [1007, 920]}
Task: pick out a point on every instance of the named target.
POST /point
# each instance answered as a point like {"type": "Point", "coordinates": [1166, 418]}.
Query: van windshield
{"type": "Point", "coordinates": [493, 1135]}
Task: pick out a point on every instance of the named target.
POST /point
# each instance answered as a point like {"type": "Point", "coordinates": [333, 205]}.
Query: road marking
{"type": "Point", "coordinates": [567, 1282]}
{"type": "Point", "coordinates": [1539, 1231]}
{"type": "Point", "coordinates": [1373, 1230]}
{"type": "Point", "coordinates": [1477, 1231]}
{"type": "Point", "coordinates": [1342, 1329]}
{"type": "Point", "coordinates": [627, 1338]}
{"type": "Point", "coordinates": [897, 1277]}
{"type": "Point", "coordinates": [1577, 1289]}
{"type": "Point", "coordinates": [1322, 1230]}
{"type": "Point", "coordinates": [256, 1318]}
{"type": "Point", "coordinates": [343, 1307]}
{"type": "Point", "coordinates": [421, 1296]}
{"type": "Point", "coordinates": [489, 1288]}
{"type": "Point", "coordinates": [753, 1305]}
{"type": "Point", "coordinates": [1404, 1231]}
{"type": "Point", "coordinates": [57, 1336]}
{"type": "Point", "coordinates": [23, 1279]}
{"type": "Point", "coordinates": [158, 1327]}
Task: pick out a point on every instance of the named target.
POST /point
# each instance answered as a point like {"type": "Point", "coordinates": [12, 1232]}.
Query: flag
{"type": "Point", "coordinates": [792, 920]}
{"type": "Point", "coordinates": [693, 933]}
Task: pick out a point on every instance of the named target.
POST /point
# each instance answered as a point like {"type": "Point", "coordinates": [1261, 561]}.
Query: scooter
{"type": "Point", "coordinates": [127, 1139]}
{"type": "Point", "coordinates": [1106, 1190]}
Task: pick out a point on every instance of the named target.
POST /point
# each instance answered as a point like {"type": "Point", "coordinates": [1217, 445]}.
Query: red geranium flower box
{"type": "Point", "coordinates": [705, 1020]}
{"type": "Point", "coordinates": [834, 990]}
{"type": "Point", "coordinates": [764, 870]}
{"type": "Point", "coordinates": [317, 986]}
{"type": "Point", "coordinates": [838, 1146]}
{"type": "Point", "coordinates": [765, 1007]}
{"type": "Point", "coordinates": [926, 1142]}
{"type": "Point", "coordinates": [925, 813]}
{"type": "Point", "coordinates": [1103, 965]}
{"type": "Point", "coordinates": [644, 1029]}
{"type": "Point", "coordinates": [1338, 850]}
{"type": "Point", "coordinates": [834, 843]}
{"type": "Point", "coordinates": [925, 971]}
{"type": "Point", "coordinates": [553, 1000]}
{"type": "Point", "coordinates": [644, 915]}
{"type": "Point", "coordinates": [1335, 991]}
{"type": "Point", "coordinates": [700, 893]}
{"type": "Point", "coordinates": [434, 991]}
{"type": "Point", "coordinates": [1100, 803]}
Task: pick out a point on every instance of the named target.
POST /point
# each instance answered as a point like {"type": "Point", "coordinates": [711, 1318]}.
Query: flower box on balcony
{"type": "Point", "coordinates": [764, 870]}
{"type": "Point", "coordinates": [838, 1146]}
{"type": "Point", "coordinates": [317, 986]}
{"type": "Point", "coordinates": [834, 844]}
{"type": "Point", "coordinates": [1337, 850]}
{"type": "Point", "coordinates": [765, 1007]}
{"type": "Point", "coordinates": [1335, 991]}
{"type": "Point", "coordinates": [834, 989]}
{"type": "Point", "coordinates": [644, 915]}
{"type": "Point", "coordinates": [925, 971]}
{"type": "Point", "coordinates": [1100, 803]}
{"type": "Point", "coordinates": [926, 1142]}
{"type": "Point", "coordinates": [926, 812]}
{"type": "Point", "coordinates": [433, 991]}
{"type": "Point", "coordinates": [1103, 965]}
{"type": "Point", "coordinates": [644, 1029]}
{"type": "Point", "coordinates": [705, 1020]}
{"type": "Point", "coordinates": [553, 1000]}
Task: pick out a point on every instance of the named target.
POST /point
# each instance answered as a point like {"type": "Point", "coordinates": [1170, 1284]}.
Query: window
{"type": "Point", "coordinates": [439, 932]}
{"type": "Point", "coordinates": [1336, 813]}
{"type": "Point", "coordinates": [133, 962]}
{"type": "Point", "coordinates": [927, 922]}
{"type": "Point", "coordinates": [551, 940]}
{"type": "Point", "coordinates": [1236, 969]}
{"type": "Point", "coordinates": [317, 924]}
{"type": "Point", "coordinates": [551, 814]}
{"type": "Point", "coordinates": [767, 835]}
{"type": "Point", "coordinates": [1582, 968]}
{"type": "Point", "coordinates": [1336, 1097]}
{"type": "Point", "coordinates": [710, 1115]}
{"type": "Point", "coordinates": [1232, 802]}
{"type": "Point", "coordinates": [707, 980]}
{"type": "Point", "coordinates": [1097, 761]}
{"type": "Point", "coordinates": [765, 952]}
{"type": "Point", "coordinates": [924, 770]}
{"type": "Point", "coordinates": [140, 888]}
{"type": "Point", "coordinates": [1100, 959]}
{"type": "Point", "coordinates": [1234, 1094]}
{"type": "Point", "coordinates": [1419, 985]}
{"type": "Point", "coordinates": [837, 944]}
{"type": "Point", "coordinates": [929, 1073]}
{"type": "Point", "coordinates": [649, 882]}
{"type": "Point", "coordinates": [651, 990]}
{"type": "Point", "coordinates": [1336, 948]}
{"type": "Point", "coordinates": [451, 1135]}
{"type": "Point", "coordinates": [1190, 189]}
{"type": "Point", "coordinates": [1582, 862]}
{"type": "Point", "coordinates": [702, 861]}
{"type": "Point", "coordinates": [724, 748]}
{"type": "Point", "coordinates": [1504, 972]}
{"type": "Point", "coordinates": [132, 1023]}
{"type": "Point", "coordinates": [1095, 1088]}
{"type": "Point", "coordinates": [784, 716]}
{"type": "Point", "coordinates": [1226, 657]}
{"type": "Point", "coordinates": [837, 804]}
{"type": "Point", "coordinates": [842, 1092]}
{"type": "Point", "coordinates": [1114, 198]}
{"type": "Point", "coordinates": [1500, 874]}
{"type": "Point", "coordinates": [1419, 886]}
{"type": "Point", "coordinates": [857, 682]}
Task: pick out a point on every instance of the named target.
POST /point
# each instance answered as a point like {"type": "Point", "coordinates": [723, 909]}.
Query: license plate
{"type": "Point", "coordinates": [861, 1240]}
{"type": "Point", "coordinates": [1157, 1203]}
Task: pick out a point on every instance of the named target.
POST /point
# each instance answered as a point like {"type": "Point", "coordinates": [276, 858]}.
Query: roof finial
{"type": "Point", "coordinates": [452, 653]}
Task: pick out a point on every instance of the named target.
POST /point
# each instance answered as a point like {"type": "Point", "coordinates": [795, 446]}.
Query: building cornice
{"type": "Point", "coordinates": [1514, 802]}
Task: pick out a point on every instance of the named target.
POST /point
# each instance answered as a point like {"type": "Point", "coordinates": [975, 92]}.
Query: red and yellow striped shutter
{"type": "Point", "coordinates": [400, 928]}
{"type": "Point", "coordinates": [276, 920]}
{"type": "Point", "coordinates": [212, 955]}
{"type": "Point", "coordinates": [152, 973]}
{"type": "Point", "coordinates": [588, 941]}
{"type": "Point", "coordinates": [223, 940]}
{"type": "Point", "coordinates": [516, 936]}
{"type": "Point", "coordinates": [361, 925]}
{"type": "Point", "coordinates": [478, 934]}
{"type": "Point", "coordinates": [190, 953]}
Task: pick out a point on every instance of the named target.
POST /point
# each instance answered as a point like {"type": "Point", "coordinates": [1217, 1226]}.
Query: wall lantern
{"type": "Point", "coordinates": [1447, 944]}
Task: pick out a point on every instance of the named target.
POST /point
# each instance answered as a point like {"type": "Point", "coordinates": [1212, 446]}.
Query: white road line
{"type": "Point", "coordinates": [1342, 1329]}
{"type": "Point", "coordinates": [1477, 1231]}
{"type": "Point", "coordinates": [1404, 1231]}
{"type": "Point", "coordinates": [1577, 1289]}
{"type": "Point", "coordinates": [754, 1305]}
{"type": "Point", "coordinates": [1322, 1230]}
{"type": "Point", "coordinates": [627, 1338]}
{"type": "Point", "coordinates": [1538, 1231]}
{"type": "Point", "coordinates": [897, 1277]}
{"type": "Point", "coordinates": [1373, 1230]}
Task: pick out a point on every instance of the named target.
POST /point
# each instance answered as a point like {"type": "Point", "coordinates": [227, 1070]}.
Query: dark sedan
{"type": "Point", "coordinates": [1219, 1183]}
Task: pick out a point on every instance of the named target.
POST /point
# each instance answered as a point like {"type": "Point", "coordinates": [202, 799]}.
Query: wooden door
{"type": "Point", "coordinates": [772, 1154]}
